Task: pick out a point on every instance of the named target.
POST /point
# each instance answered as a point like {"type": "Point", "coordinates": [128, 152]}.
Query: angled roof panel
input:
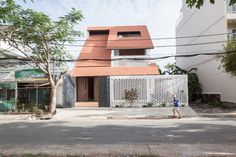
{"type": "Point", "coordinates": [142, 42]}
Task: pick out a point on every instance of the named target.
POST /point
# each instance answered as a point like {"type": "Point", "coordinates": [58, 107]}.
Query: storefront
{"type": "Point", "coordinates": [32, 87]}
{"type": "Point", "coordinates": [7, 90]}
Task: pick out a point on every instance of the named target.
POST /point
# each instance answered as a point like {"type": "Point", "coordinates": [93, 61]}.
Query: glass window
{"type": "Point", "coordinates": [7, 96]}
{"type": "Point", "coordinates": [129, 34]}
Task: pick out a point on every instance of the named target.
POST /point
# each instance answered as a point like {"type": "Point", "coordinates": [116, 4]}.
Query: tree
{"type": "Point", "coordinates": [229, 58]}
{"type": "Point", "coordinates": [194, 86]}
{"type": "Point", "coordinates": [199, 3]}
{"type": "Point", "coordinates": [45, 38]}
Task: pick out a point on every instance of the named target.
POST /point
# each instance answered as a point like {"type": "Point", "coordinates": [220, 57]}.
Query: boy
{"type": "Point", "coordinates": [176, 107]}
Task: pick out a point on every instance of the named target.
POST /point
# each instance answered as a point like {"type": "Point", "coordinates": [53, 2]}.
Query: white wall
{"type": "Point", "coordinates": [210, 19]}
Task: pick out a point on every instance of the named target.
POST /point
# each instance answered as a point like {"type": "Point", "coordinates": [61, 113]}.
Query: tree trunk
{"type": "Point", "coordinates": [53, 99]}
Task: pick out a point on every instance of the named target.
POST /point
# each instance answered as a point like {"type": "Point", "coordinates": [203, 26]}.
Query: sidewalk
{"type": "Point", "coordinates": [126, 113]}
{"type": "Point", "coordinates": [211, 112]}
{"type": "Point", "coordinates": [121, 113]}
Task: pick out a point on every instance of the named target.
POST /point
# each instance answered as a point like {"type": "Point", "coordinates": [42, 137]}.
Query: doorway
{"type": "Point", "coordinates": [87, 89]}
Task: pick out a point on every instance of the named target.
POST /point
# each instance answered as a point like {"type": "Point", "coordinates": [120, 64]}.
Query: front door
{"type": "Point", "coordinates": [82, 89]}
{"type": "Point", "coordinates": [87, 89]}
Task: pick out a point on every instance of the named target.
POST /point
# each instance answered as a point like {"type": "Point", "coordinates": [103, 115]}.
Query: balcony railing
{"type": "Point", "coordinates": [231, 9]}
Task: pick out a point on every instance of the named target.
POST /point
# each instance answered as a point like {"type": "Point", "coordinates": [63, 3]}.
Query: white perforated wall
{"type": "Point", "coordinates": [156, 89]}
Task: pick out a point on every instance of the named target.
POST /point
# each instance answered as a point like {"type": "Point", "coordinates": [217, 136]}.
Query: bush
{"type": "Point", "coordinates": [149, 104]}
{"type": "Point", "coordinates": [28, 107]}
{"type": "Point", "coordinates": [163, 104]}
{"type": "Point", "coordinates": [131, 95]}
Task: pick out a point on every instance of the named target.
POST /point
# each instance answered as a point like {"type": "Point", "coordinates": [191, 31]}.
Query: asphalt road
{"type": "Point", "coordinates": [169, 137]}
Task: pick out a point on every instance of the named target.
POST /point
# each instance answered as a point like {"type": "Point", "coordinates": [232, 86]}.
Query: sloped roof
{"type": "Point", "coordinates": [99, 46]}
{"type": "Point", "coordinates": [94, 48]}
{"type": "Point", "coordinates": [142, 42]}
{"type": "Point", "coordinates": [115, 42]}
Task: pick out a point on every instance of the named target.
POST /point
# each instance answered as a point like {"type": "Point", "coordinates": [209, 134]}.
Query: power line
{"type": "Point", "coordinates": [160, 38]}
{"type": "Point", "coordinates": [131, 58]}
{"type": "Point", "coordinates": [157, 38]}
{"type": "Point", "coordinates": [161, 46]}
{"type": "Point", "coordinates": [155, 46]}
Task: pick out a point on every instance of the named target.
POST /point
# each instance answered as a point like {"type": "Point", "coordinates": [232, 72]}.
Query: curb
{"type": "Point", "coordinates": [145, 117]}
{"type": "Point", "coordinates": [218, 115]}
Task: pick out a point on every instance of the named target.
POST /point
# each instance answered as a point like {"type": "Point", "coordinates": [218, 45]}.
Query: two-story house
{"type": "Point", "coordinates": [110, 51]}
{"type": "Point", "coordinates": [212, 25]}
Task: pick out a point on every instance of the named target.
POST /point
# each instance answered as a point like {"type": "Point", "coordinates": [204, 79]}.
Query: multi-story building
{"type": "Point", "coordinates": [208, 27]}
{"type": "Point", "coordinates": [110, 51]}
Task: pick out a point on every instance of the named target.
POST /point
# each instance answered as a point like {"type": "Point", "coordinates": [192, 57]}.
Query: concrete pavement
{"type": "Point", "coordinates": [166, 137]}
{"type": "Point", "coordinates": [121, 113]}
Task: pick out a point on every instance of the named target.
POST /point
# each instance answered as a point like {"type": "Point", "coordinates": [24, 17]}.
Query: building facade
{"type": "Point", "coordinates": [207, 30]}
{"type": "Point", "coordinates": [110, 51]}
{"type": "Point", "coordinates": [24, 83]}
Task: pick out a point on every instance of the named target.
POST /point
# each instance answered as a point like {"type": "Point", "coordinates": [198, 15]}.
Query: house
{"type": "Point", "coordinates": [210, 26]}
{"type": "Point", "coordinates": [107, 52]}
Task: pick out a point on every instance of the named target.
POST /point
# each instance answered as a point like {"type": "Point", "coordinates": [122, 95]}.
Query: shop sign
{"type": "Point", "coordinates": [30, 74]}
{"type": "Point", "coordinates": [6, 76]}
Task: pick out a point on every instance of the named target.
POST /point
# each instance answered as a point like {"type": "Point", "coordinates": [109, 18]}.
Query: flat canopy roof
{"type": "Point", "coordinates": [114, 71]}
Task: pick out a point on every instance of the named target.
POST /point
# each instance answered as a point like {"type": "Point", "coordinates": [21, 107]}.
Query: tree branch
{"type": "Point", "coordinates": [16, 46]}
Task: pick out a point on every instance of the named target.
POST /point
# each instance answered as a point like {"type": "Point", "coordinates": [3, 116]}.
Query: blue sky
{"type": "Point", "coordinates": [159, 15]}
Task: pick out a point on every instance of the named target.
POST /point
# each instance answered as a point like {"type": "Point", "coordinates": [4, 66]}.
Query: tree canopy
{"type": "Point", "coordinates": [229, 58]}
{"type": "Point", "coordinates": [45, 39]}
{"type": "Point", "coordinates": [199, 3]}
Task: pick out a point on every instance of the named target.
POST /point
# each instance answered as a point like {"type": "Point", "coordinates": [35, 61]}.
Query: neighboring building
{"type": "Point", "coordinates": [22, 82]}
{"type": "Point", "coordinates": [103, 55]}
{"type": "Point", "coordinates": [210, 19]}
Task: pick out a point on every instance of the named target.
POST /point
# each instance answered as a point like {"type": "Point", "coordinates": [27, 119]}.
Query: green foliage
{"type": "Point", "coordinates": [199, 3]}
{"type": "Point", "coordinates": [131, 95]}
{"type": "Point", "coordinates": [148, 104]}
{"type": "Point", "coordinates": [45, 39]}
{"type": "Point", "coordinates": [37, 32]}
{"type": "Point", "coordinates": [229, 58]}
{"type": "Point", "coordinates": [194, 86]}
{"type": "Point", "coordinates": [163, 104]}
{"type": "Point", "coordinates": [28, 107]}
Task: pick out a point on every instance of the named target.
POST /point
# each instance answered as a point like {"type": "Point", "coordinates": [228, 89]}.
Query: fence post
{"type": "Point", "coordinates": [148, 89]}
{"type": "Point", "coordinates": [186, 86]}
{"type": "Point", "coordinates": [111, 92]}
{"type": "Point", "coordinates": [37, 94]}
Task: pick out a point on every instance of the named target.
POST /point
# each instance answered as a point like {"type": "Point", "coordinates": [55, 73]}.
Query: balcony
{"type": "Point", "coordinates": [231, 14]}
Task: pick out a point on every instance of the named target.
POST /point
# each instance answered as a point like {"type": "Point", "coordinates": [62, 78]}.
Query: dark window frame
{"type": "Point", "coordinates": [128, 34]}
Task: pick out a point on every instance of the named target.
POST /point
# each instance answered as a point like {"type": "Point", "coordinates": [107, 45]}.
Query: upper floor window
{"type": "Point", "coordinates": [129, 34]}
{"type": "Point", "coordinates": [105, 32]}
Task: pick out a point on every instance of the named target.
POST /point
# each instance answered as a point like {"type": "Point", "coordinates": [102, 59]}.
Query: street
{"type": "Point", "coordinates": [169, 137]}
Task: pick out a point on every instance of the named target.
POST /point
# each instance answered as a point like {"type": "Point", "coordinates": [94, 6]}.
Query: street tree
{"type": "Point", "coordinates": [44, 37]}
{"type": "Point", "coordinates": [199, 3]}
{"type": "Point", "coordinates": [229, 58]}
